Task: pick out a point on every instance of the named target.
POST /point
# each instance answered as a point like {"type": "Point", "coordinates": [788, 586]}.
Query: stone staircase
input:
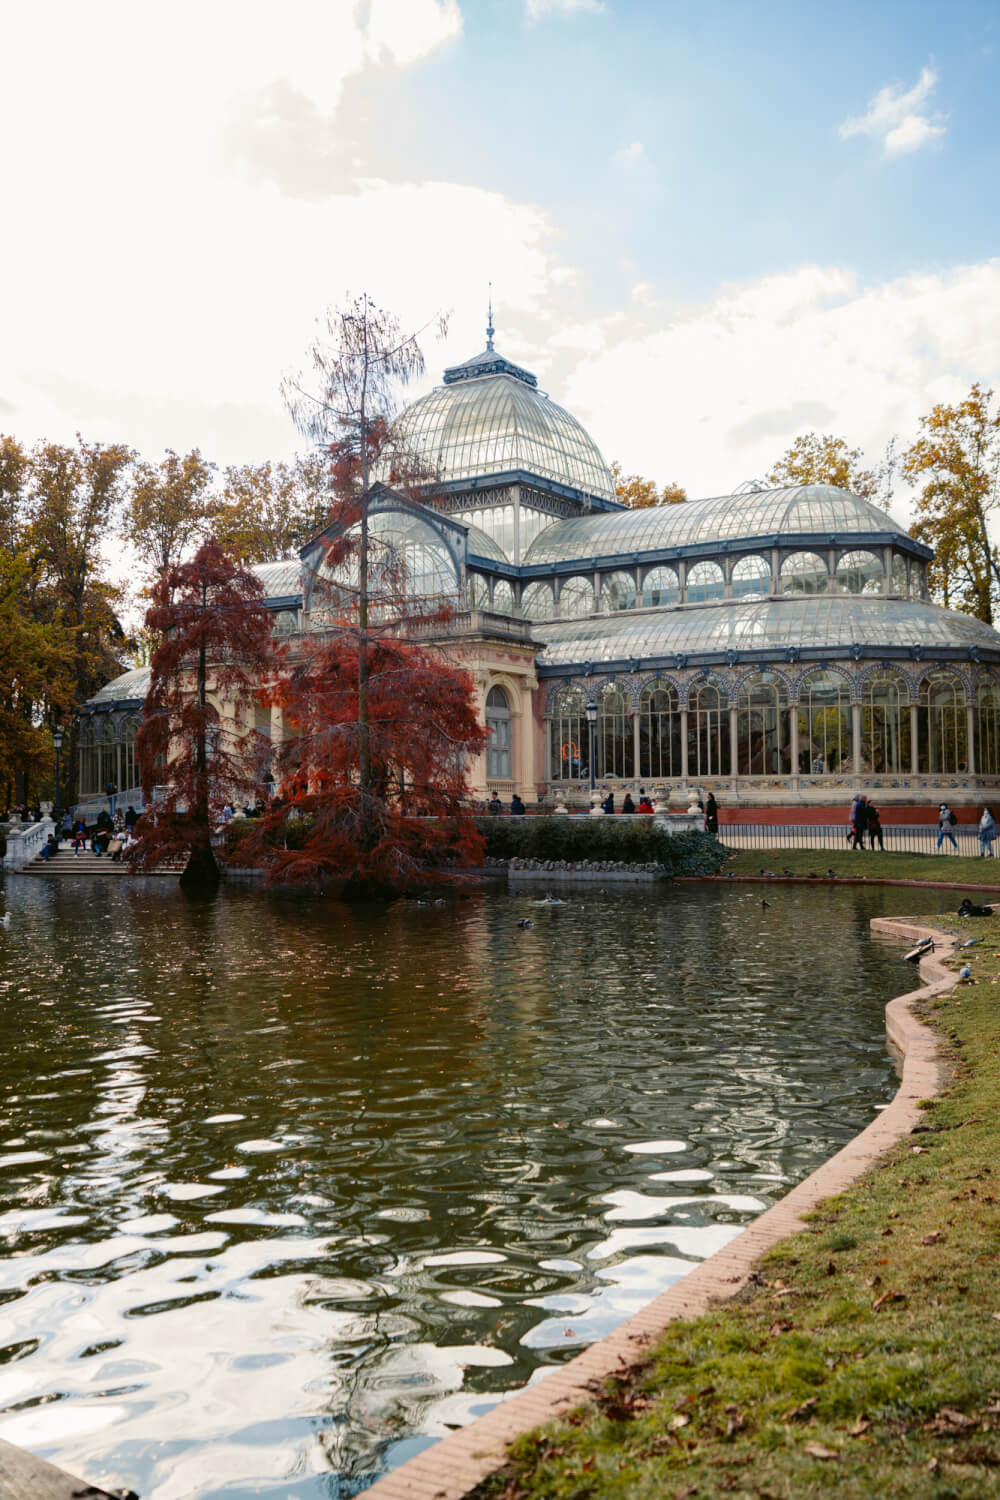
{"type": "Point", "coordinates": [67, 864]}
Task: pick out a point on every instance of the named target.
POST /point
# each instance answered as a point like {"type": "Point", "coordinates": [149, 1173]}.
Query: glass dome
{"type": "Point", "coordinates": [803, 621]}
{"type": "Point", "coordinates": [806, 509]}
{"type": "Point", "coordinates": [489, 418]}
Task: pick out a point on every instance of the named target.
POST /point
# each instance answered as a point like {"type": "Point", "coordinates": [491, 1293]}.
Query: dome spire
{"type": "Point", "coordinates": [490, 330]}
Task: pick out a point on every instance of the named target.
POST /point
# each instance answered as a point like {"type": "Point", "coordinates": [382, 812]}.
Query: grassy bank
{"type": "Point", "coordinates": [925, 867]}
{"type": "Point", "coordinates": [864, 1359]}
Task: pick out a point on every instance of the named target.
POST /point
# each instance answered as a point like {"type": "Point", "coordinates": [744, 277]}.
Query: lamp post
{"type": "Point", "coordinates": [57, 740]}
{"type": "Point", "coordinates": [591, 712]}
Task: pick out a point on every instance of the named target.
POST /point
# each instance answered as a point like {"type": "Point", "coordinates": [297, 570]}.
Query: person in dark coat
{"type": "Point", "coordinates": [712, 815]}
{"type": "Point", "coordinates": [874, 824]}
{"type": "Point", "coordinates": [517, 807]}
{"type": "Point", "coordinates": [628, 806]}
{"type": "Point", "coordinates": [860, 823]}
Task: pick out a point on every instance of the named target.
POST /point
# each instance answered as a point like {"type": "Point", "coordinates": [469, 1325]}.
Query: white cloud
{"type": "Point", "coordinates": [407, 30]}
{"type": "Point", "coordinates": [628, 156]}
{"type": "Point", "coordinates": [712, 395]}
{"type": "Point", "coordinates": [536, 9]}
{"type": "Point", "coordinates": [898, 118]}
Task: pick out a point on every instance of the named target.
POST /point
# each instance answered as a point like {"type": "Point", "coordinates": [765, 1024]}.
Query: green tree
{"type": "Point", "coordinates": [168, 507]}
{"type": "Point", "coordinates": [957, 459]}
{"type": "Point", "coordinates": [638, 493]}
{"type": "Point", "coordinates": [266, 511]}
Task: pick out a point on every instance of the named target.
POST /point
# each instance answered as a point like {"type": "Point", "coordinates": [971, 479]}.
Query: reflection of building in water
{"type": "Point", "coordinates": [775, 646]}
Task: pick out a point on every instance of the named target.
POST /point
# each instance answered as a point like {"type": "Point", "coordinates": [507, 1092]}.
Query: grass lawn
{"type": "Point", "coordinates": [928, 867]}
{"type": "Point", "coordinates": [864, 1358]}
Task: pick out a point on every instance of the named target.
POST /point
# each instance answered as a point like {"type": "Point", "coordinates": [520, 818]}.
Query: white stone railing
{"type": "Point", "coordinates": [23, 844]}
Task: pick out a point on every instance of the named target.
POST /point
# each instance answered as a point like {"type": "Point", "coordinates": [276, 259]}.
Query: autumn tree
{"type": "Point", "coordinates": [267, 511]}
{"type": "Point", "coordinates": [214, 635]}
{"type": "Point", "coordinates": [168, 508]}
{"type": "Point", "coordinates": [816, 459]}
{"type": "Point", "coordinates": [638, 493]}
{"type": "Point", "coordinates": [957, 460]}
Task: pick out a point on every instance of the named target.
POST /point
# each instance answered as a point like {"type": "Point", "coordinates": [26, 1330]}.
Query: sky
{"type": "Point", "coordinates": [708, 226]}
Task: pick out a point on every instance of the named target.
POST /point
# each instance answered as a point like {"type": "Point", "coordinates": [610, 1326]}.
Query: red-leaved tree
{"type": "Point", "coordinates": [214, 639]}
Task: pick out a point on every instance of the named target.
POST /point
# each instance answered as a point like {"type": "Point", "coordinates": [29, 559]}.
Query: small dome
{"type": "Point", "coordinates": [130, 687]}
{"type": "Point", "coordinates": [489, 417]}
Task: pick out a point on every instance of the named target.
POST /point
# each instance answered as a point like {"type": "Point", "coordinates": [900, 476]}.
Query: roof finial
{"type": "Point", "coordinates": [489, 326]}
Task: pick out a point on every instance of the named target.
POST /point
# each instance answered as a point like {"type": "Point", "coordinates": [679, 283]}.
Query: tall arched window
{"type": "Point", "coordinates": [108, 732]}
{"type": "Point", "coordinates": [824, 724]}
{"type": "Point", "coordinates": [570, 746]}
{"type": "Point", "coordinates": [537, 602]}
{"type": "Point", "coordinates": [503, 597]}
{"type": "Point", "coordinates": [708, 732]}
{"type": "Point", "coordinates": [751, 578]}
{"type": "Point", "coordinates": [130, 771]}
{"type": "Point", "coordinates": [988, 727]}
{"type": "Point", "coordinates": [478, 591]}
{"type": "Point", "coordinates": [615, 752]}
{"type": "Point", "coordinates": [804, 573]}
{"type": "Point", "coordinates": [942, 724]}
{"type": "Point", "coordinates": [617, 592]}
{"type": "Point", "coordinates": [860, 573]}
{"type": "Point", "coordinates": [659, 587]}
{"type": "Point", "coordinates": [705, 580]}
{"type": "Point", "coordinates": [576, 598]}
{"type": "Point", "coordinates": [885, 724]}
{"type": "Point", "coordinates": [762, 736]}
{"type": "Point", "coordinates": [497, 735]}
{"type": "Point", "coordinates": [659, 732]}
{"type": "Point", "coordinates": [89, 774]}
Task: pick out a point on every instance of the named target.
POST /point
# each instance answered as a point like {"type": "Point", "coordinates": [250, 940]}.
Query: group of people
{"type": "Point", "coordinates": [865, 819]}
{"type": "Point", "coordinates": [113, 834]}
{"type": "Point", "coordinates": [517, 807]}
{"type": "Point", "coordinates": [628, 804]}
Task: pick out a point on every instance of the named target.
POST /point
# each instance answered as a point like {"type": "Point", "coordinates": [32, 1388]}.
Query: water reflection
{"type": "Point", "coordinates": [286, 1190]}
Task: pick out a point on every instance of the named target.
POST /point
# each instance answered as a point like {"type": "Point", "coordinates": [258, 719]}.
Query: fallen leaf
{"type": "Point", "coordinates": [803, 1412]}
{"type": "Point", "coordinates": [816, 1450]}
{"type": "Point", "coordinates": [861, 1426]}
{"type": "Point", "coordinates": [680, 1420]}
{"type": "Point", "coordinates": [780, 1326]}
{"type": "Point", "coordinates": [874, 1281]}
{"type": "Point", "coordinates": [831, 1269]}
{"type": "Point", "coordinates": [949, 1421]}
{"type": "Point", "coordinates": [934, 1238]}
{"type": "Point", "coordinates": [588, 1463]}
{"type": "Point", "coordinates": [887, 1297]}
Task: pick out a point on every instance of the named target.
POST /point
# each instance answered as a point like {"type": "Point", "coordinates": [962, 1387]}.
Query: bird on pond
{"type": "Point", "coordinates": [525, 923]}
{"type": "Point", "coordinates": [768, 874]}
{"type": "Point", "coordinates": [549, 900]}
{"type": "Point", "coordinates": [6, 919]}
{"type": "Point", "coordinates": [832, 874]}
{"type": "Point", "coordinates": [763, 902]}
{"type": "Point", "coordinates": [787, 871]}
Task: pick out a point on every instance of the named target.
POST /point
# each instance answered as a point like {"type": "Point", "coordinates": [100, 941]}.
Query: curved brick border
{"type": "Point", "coordinates": [456, 1464]}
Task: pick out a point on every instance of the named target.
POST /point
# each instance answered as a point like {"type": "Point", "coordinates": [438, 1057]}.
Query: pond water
{"type": "Point", "coordinates": [287, 1190]}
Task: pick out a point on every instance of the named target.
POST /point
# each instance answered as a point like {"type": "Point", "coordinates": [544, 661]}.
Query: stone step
{"type": "Point", "coordinates": [66, 863]}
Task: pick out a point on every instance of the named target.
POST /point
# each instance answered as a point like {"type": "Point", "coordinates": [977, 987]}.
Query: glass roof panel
{"type": "Point", "coordinates": [785, 512]}
{"type": "Point", "coordinates": [279, 579]}
{"type": "Point", "coordinates": [825, 620]}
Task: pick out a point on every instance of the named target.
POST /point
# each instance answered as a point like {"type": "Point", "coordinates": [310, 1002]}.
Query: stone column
{"type": "Point", "coordinates": [914, 741]}
{"type": "Point", "coordinates": [970, 731]}
{"type": "Point", "coordinates": [636, 768]}
{"type": "Point", "coordinates": [684, 745]}
{"type": "Point", "coordinates": [856, 736]}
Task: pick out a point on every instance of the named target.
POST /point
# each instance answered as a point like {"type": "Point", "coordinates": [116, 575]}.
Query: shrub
{"type": "Point", "coordinates": [634, 841]}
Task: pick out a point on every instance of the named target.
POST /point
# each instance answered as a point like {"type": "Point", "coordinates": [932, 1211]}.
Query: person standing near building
{"type": "Point", "coordinates": [987, 833]}
{"type": "Point", "coordinates": [874, 823]}
{"type": "Point", "coordinates": [946, 825]}
{"type": "Point", "coordinates": [859, 820]}
{"type": "Point", "coordinates": [712, 815]}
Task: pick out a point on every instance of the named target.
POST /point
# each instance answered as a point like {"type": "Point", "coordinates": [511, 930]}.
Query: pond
{"type": "Point", "coordinates": [287, 1190]}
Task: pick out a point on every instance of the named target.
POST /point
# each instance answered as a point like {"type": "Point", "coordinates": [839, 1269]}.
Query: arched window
{"type": "Point", "coordinates": [659, 732]}
{"type": "Point", "coordinates": [804, 573]}
{"type": "Point", "coordinates": [617, 592]}
{"type": "Point", "coordinates": [705, 580]}
{"type": "Point", "coordinates": [89, 774]}
{"type": "Point", "coordinates": [503, 597]}
{"type": "Point", "coordinates": [762, 735]}
{"type": "Point", "coordinates": [708, 732]}
{"type": "Point", "coordinates": [899, 581]}
{"type": "Point", "coordinates": [497, 735]}
{"type": "Point", "coordinates": [659, 587]}
{"type": "Point", "coordinates": [885, 724]}
{"type": "Point", "coordinates": [537, 602]}
{"type": "Point", "coordinates": [751, 578]}
{"type": "Point", "coordinates": [478, 591]}
{"type": "Point", "coordinates": [615, 753]}
{"type": "Point", "coordinates": [576, 598]}
{"type": "Point", "coordinates": [988, 727]}
{"type": "Point", "coordinates": [824, 724]}
{"type": "Point", "coordinates": [570, 745]}
{"type": "Point", "coordinates": [108, 732]}
{"type": "Point", "coordinates": [942, 724]}
{"type": "Point", "coordinates": [860, 573]}
{"type": "Point", "coordinates": [130, 771]}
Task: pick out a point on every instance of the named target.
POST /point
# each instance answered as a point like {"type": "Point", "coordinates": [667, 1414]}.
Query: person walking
{"type": "Point", "coordinates": [859, 822]}
{"type": "Point", "coordinates": [712, 815]}
{"type": "Point", "coordinates": [517, 806]}
{"type": "Point", "coordinates": [987, 833]}
{"type": "Point", "coordinates": [874, 823]}
{"type": "Point", "coordinates": [946, 824]}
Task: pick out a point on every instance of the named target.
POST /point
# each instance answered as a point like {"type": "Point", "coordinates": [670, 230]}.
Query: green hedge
{"type": "Point", "coordinates": [575, 839]}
